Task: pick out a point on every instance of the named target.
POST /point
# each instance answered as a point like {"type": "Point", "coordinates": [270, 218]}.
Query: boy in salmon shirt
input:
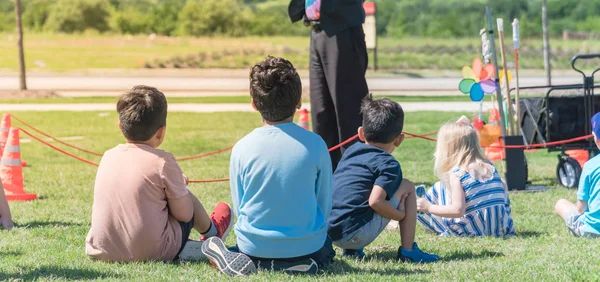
{"type": "Point", "coordinates": [142, 207]}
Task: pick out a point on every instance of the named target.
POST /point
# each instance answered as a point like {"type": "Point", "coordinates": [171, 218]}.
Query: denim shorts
{"type": "Point", "coordinates": [368, 233]}
{"type": "Point", "coordinates": [575, 225]}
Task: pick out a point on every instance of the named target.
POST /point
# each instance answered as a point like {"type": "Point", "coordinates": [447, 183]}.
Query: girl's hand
{"type": "Point", "coordinates": [423, 205]}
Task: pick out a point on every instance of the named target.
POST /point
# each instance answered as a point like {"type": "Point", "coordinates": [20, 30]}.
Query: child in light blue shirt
{"type": "Point", "coordinates": [583, 218]}
{"type": "Point", "coordinates": [280, 180]}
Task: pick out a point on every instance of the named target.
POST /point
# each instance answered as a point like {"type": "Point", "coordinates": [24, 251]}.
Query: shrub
{"type": "Point", "coordinates": [164, 17]}
{"type": "Point", "coordinates": [78, 15]}
{"type": "Point", "coordinates": [36, 14]}
{"type": "Point", "coordinates": [214, 17]}
{"type": "Point", "coordinates": [129, 21]}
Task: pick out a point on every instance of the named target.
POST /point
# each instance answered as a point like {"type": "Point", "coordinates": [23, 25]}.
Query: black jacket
{"type": "Point", "coordinates": [336, 15]}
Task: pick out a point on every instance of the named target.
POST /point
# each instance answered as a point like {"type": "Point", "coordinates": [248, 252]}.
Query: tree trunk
{"type": "Point", "coordinates": [22, 80]}
{"type": "Point", "coordinates": [547, 65]}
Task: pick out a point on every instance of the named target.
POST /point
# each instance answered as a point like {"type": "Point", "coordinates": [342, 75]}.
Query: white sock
{"type": "Point", "coordinates": [211, 232]}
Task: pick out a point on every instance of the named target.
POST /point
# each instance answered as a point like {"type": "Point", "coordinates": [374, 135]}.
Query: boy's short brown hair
{"type": "Point", "coordinates": [276, 88]}
{"type": "Point", "coordinates": [142, 111]}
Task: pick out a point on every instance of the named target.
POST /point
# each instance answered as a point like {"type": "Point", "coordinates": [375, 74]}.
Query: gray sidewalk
{"type": "Point", "coordinates": [212, 108]}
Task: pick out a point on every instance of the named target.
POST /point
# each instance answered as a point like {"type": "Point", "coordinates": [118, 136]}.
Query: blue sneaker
{"type": "Point", "coordinates": [416, 255]}
{"type": "Point", "coordinates": [358, 253]}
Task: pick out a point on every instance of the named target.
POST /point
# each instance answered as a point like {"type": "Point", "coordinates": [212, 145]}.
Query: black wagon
{"type": "Point", "coordinates": [562, 112]}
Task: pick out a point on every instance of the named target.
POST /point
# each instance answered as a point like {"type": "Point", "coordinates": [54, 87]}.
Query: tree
{"type": "Point", "coordinates": [22, 80]}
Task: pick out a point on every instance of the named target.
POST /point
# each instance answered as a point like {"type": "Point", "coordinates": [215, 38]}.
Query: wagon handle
{"type": "Point", "coordinates": [584, 57]}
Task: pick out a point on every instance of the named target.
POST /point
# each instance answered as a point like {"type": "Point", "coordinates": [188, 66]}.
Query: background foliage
{"type": "Point", "coordinates": [396, 18]}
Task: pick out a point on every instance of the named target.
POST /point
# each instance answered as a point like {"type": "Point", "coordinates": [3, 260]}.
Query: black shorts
{"type": "Point", "coordinates": [186, 229]}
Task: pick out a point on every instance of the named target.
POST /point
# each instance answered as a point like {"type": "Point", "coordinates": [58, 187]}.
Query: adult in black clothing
{"type": "Point", "coordinates": [338, 62]}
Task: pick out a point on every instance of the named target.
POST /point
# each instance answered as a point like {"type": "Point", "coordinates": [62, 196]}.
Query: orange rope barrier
{"type": "Point", "coordinates": [58, 149]}
{"type": "Point", "coordinates": [54, 138]}
{"type": "Point", "coordinates": [349, 140]}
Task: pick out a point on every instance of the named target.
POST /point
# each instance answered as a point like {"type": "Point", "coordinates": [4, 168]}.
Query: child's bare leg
{"type": "Point", "coordinates": [5, 217]}
{"type": "Point", "coordinates": [408, 225]}
{"type": "Point", "coordinates": [564, 208]}
{"type": "Point", "coordinates": [201, 219]}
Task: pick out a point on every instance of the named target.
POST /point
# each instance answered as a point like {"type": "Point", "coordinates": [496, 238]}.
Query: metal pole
{"type": "Point", "coordinates": [510, 116]}
{"type": "Point", "coordinates": [547, 65]}
{"type": "Point", "coordinates": [22, 80]}
{"type": "Point", "coordinates": [516, 45]}
{"type": "Point", "coordinates": [495, 60]}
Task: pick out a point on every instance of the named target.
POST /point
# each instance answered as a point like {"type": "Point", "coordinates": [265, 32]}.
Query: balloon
{"type": "Point", "coordinates": [490, 71]}
{"type": "Point", "coordinates": [488, 86]}
{"type": "Point", "coordinates": [478, 124]}
{"type": "Point", "coordinates": [489, 134]}
{"type": "Point", "coordinates": [465, 85]}
{"type": "Point", "coordinates": [477, 67]}
{"type": "Point", "coordinates": [476, 93]}
{"type": "Point", "coordinates": [467, 72]}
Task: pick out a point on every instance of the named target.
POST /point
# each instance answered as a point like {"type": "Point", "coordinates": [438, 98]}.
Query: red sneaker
{"type": "Point", "coordinates": [222, 219]}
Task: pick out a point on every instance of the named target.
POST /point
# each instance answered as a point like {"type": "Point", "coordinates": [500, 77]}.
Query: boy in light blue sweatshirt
{"type": "Point", "coordinates": [280, 182]}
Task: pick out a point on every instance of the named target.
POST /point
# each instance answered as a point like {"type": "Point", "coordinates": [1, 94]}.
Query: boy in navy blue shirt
{"type": "Point", "coordinates": [368, 188]}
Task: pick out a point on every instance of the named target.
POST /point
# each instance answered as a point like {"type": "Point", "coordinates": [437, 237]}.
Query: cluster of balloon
{"type": "Point", "coordinates": [477, 80]}
{"type": "Point", "coordinates": [490, 132]}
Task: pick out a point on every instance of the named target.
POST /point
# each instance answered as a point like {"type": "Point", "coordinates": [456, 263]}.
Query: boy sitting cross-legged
{"type": "Point", "coordinates": [280, 182]}
{"type": "Point", "coordinates": [369, 190]}
{"type": "Point", "coordinates": [142, 208]}
{"type": "Point", "coordinates": [583, 218]}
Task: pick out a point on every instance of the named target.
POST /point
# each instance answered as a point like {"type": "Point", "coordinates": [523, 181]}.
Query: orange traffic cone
{"type": "Point", "coordinates": [11, 170]}
{"type": "Point", "coordinates": [303, 120]}
{"type": "Point", "coordinates": [581, 156]}
{"type": "Point", "coordinates": [495, 154]}
{"type": "Point", "coordinates": [5, 125]}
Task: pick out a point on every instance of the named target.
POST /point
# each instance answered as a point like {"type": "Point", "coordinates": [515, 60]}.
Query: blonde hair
{"type": "Point", "coordinates": [458, 146]}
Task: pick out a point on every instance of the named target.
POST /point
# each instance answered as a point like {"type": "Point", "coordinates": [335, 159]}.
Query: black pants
{"type": "Point", "coordinates": [337, 85]}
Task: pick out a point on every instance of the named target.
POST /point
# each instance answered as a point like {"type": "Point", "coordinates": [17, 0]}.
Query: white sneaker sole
{"type": "Point", "coordinates": [230, 263]}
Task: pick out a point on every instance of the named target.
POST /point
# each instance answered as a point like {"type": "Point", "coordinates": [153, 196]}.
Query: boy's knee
{"type": "Point", "coordinates": [407, 186]}
{"type": "Point", "coordinates": [559, 204]}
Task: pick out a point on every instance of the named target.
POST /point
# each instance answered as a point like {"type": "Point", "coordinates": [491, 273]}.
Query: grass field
{"type": "Point", "coordinates": [48, 243]}
{"type": "Point", "coordinates": [80, 52]}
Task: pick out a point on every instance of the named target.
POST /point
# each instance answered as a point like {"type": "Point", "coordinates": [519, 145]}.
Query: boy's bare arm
{"type": "Point", "coordinates": [581, 206]}
{"type": "Point", "coordinates": [383, 207]}
{"type": "Point", "coordinates": [182, 208]}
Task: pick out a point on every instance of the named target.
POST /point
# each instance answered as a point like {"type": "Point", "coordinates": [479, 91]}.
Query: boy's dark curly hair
{"type": "Point", "coordinates": [276, 88]}
{"type": "Point", "coordinates": [383, 119]}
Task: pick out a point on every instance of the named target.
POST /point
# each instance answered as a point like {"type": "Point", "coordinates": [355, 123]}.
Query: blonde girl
{"type": "Point", "coordinates": [471, 199]}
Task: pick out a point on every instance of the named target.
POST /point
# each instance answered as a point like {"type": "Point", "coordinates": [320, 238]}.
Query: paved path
{"type": "Point", "coordinates": [187, 86]}
{"type": "Point", "coordinates": [211, 108]}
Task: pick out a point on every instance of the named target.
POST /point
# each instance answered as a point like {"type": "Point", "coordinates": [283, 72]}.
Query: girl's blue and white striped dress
{"type": "Point", "coordinates": [487, 213]}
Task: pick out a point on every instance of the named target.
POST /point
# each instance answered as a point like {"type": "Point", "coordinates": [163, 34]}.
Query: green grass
{"type": "Point", "coordinates": [48, 243]}
{"type": "Point", "coordinates": [81, 52]}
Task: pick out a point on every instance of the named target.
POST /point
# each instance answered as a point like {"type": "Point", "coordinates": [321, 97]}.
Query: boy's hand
{"type": "Point", "coordinates": [187, 180]}
{"type": "Point", "coordinates": [423, 205]}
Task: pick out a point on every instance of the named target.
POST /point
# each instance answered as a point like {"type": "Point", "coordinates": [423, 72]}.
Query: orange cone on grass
{"type": "Point", "coordinates": [494, 153]}
{"type": "Point", "coordinates": [11, 170]}
{"type": "Point", "coordinates": [303, 120]}
{"type": "Point", "coordinates": [5, 125]}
